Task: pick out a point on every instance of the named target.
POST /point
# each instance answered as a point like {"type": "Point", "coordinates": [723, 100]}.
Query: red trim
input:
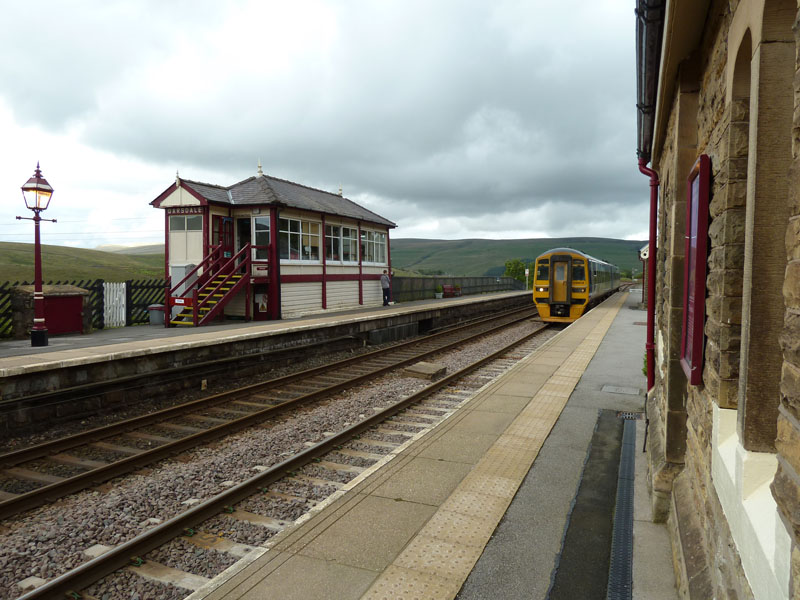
{"type": "Point", "coordinates": [160, 198]}
{"type": "Point", "coordinates": [274, 291]}
{"type": "Point", "coordinates": [389, 263]}
{"type": "Point", "coordinates": [317, 277]}
{"type": "Point", "coordinates": [694, 273]}
{"type": "Point", "coordinates": [324, 252]}
{"type": "Point", "coordinates": [206, 231]}
{"type": "Point", "coordinates": [360, 268]}
{"type": "Point", "coordinates": [163, 195]}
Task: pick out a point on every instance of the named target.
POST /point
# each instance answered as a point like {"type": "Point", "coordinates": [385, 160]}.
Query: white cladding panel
{"type": "Point", "coordinates": [300, 298]}
{"type": "Point", "coordinates": [185, 247]}
{"type": "Point", "coordinates": [235, 308]}
{"type": "Point", "coordinates": [342, 294]}
{"type": "Point", "coordinates": [296, 269]}
{"type": "Point", "coordinates": [372, 293]}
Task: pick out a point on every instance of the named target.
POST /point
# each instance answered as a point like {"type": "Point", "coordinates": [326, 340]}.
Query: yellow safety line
{"type": "Point", "coordinates": [437, 561]}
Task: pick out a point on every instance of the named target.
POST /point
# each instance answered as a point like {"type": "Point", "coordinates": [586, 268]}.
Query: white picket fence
{"type": "Point", "coordinates": [114, 309]}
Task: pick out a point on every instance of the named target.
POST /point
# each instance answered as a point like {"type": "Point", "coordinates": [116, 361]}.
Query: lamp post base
{"type": "Point", "coordinates": [39, 337]}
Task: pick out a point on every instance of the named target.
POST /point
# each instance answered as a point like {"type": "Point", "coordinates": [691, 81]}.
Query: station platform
{"type": "Point", "coordinates": [501, 500]}
{"type": "Point", "coordinates": [18, 356]}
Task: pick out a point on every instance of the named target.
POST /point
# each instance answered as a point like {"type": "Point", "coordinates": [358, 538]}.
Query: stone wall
{"type": "Point", "coordinates": [706, 559]}
{"type": "Point", "coordinates": [786, 485]}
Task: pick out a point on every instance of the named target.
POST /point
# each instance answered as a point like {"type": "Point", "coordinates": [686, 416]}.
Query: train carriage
{"type": "Point", "coordinates": [568, 282]}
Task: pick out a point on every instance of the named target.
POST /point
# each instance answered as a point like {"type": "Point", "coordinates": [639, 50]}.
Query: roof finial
{"type": "Point", "coordinates": [177, 179]}
{"type": "Point", "coordinates": [260, 172]}
{"type": "Point", "coordinates": [340, 189]}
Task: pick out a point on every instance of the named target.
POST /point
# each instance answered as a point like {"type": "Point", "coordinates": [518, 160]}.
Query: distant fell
{"type": "Point", "coordinates": [469, 257]}
{"type": "Point", "coordinates": [482, 257]}
{"type": "Point", "coordinates": [62, 263]}
{"type": "Point", "coordinates": [143, 249]}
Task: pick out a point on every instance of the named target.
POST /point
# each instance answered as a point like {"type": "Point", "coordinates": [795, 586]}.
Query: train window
{"type": "Point", "coordinates": [561, 274]}
{"type": "Point", "coordinates": [543, 271]}
{"type": "Point", "coordinates": [578, 270]}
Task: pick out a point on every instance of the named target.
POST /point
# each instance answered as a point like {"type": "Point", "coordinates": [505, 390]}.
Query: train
{"type": "Point", "coordinates": [567, 282]}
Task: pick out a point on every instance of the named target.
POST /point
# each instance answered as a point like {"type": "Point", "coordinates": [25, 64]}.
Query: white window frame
{"type": "Point", "coordinates": [303, 231]}
{"type": "Point", "coordinates": [374, 244]}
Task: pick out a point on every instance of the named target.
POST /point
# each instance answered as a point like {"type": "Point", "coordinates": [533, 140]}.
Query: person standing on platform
{"type": "Point", "coordinates": [385, 286]}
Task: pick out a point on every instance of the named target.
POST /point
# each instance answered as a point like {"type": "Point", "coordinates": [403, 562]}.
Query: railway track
{"type": "Point", "coordinates": [343, 456]}
{"type": "Point", "coordinates": [43, 473]}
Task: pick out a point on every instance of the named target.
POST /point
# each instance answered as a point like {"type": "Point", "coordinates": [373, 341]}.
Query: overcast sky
{"type": "Point", "coordinates": [453, 118]}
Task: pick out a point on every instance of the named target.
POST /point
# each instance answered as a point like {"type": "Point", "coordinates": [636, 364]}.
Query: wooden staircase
{"type": "Point", "coordinates": [203, 293]}
{"type": "Point", "coordinates": [209, 296]}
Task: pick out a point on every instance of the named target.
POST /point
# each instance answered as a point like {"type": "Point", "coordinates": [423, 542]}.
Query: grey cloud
{"type": "Point", "coordinates": [447, 107]}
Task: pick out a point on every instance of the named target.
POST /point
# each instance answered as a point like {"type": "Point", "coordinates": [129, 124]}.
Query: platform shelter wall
{"type": "Point", "coordinates": [724, 455]}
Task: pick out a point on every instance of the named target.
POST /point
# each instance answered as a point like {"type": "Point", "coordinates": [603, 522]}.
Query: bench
{"type": "Point", "coordinates": [451, 291]}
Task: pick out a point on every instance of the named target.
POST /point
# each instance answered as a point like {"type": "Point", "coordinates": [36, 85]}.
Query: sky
{"type": "Point", "coordinates": [500, 119]}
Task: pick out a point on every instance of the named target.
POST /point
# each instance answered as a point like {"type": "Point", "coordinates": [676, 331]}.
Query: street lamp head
{"type": "Point", "coordinates": [37, 192]}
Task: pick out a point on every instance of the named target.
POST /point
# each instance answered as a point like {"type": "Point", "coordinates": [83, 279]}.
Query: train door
{"type": "Point", "coordinates": [560, 279]}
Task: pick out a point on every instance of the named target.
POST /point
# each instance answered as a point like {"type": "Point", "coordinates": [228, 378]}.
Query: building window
{"type": "Point", "coordinates": [298, 239]}
{"type": "Point", "coordinates": [349, 244]}
{"type": "Point", "coordinates": [373, 247]}
{"type": "Point", "coordinates": [186, 223]}
{"type": "Point", "coordinates": [698, 195]}
{"type": "Point", "coordinates": [261, 237]}
{"type": "Point", "coordinates": [333, 242]}
{"type": "Point", "coordinates": [185, 239]}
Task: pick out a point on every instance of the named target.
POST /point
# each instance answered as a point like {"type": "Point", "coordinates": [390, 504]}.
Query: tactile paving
{"type": "Point", "coordinates": [397, 583]}
{"type": "Point", "coordinates": [439, 558]}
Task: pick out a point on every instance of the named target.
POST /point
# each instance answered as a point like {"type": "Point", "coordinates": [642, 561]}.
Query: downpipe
{"type": "Point", "coordinates": [651, 273]}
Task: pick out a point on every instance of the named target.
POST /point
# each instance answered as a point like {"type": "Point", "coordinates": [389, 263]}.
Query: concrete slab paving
{"type": "Point", "coordinates": [463, 447]}
{"type": "Point", "coordinates": [424, 480]}
{"type": "Point", "coordinates": [305, 578]}
{"type": "Point", "coordinates": [491, 508]}
{"type": "Point", "coordinates": [370, 537]}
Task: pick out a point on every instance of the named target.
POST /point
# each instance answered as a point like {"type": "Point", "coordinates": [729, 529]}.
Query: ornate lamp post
{"type": "Point", "coordinates": [37, 193]}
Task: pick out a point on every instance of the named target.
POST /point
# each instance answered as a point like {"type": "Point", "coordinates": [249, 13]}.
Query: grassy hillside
{"type": "Point", "coordinates": [60, 263]}
{"type": "Point", "coordinates": [488, 257]}
{"type": "Point", "coordinates": [427, 257]}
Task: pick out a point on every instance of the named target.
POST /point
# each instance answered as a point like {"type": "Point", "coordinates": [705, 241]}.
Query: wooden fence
{"type": "Point", "coordinates": [130, 309]}
{"type": "Point", "coordinates": [114, 308]}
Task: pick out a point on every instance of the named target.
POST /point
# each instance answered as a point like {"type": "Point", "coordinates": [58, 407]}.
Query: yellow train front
{"type": "Point", "coordinates": [568, 282]}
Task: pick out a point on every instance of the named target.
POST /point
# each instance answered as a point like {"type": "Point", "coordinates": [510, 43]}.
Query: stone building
{"type": "Point", "coordinates": [719, 89]}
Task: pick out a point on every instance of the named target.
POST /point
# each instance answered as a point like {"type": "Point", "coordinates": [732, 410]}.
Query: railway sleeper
{"type": "Point", "coordinates": [361, 454]}
{"type": "Point", "coordinates": [116, 448]}
{"type": "Point", "coordinates": [212, 541]}
{"type": "Point", "coordinates": [260, 520]}
{"type": "Point", "coordinates": [181, 428]}
{"type": "Point", "coordinates": [341, 468]}
{"type": "Point", "coordinates": [317, 481]}
{"type": "Point", "coordinates": [68, 459]}
{"type": "Point", "coordinates": [35, 476]}
{"type": "Point", "coordinates": [163, 574]}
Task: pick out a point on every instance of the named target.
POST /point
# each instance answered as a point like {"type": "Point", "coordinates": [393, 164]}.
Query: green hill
{"type": "Point", "coordinates": [426, 257]}
{"type": "Point", "coordinates": [487, 257]}
{"type": "Point", "coordinates": [62, 263]}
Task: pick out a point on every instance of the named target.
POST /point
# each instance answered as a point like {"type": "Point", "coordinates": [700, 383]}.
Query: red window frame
{"type": "Point", "coordinates": [698, 193]}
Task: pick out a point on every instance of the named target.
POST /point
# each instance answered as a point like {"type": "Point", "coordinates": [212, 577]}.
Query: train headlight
{"type": "Point", "coordinates": [541, 289]}
{"type": "Point", "coordinates": [580, 290]}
